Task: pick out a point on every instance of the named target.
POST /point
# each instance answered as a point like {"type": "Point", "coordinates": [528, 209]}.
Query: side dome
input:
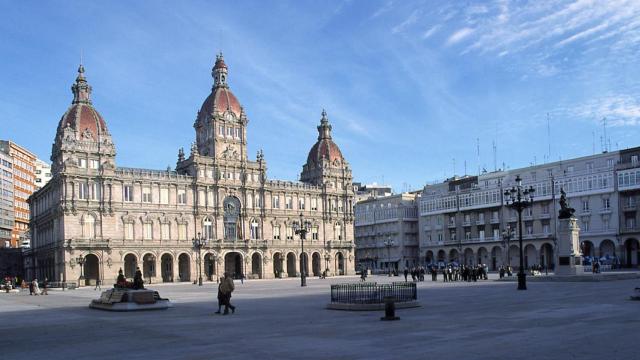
{"type": "Point", "coordinates": [82, 116]}
{"type": "Point", "coordinates": [324, 149]}
{"type": "Point", "coordinates": [221, 98]}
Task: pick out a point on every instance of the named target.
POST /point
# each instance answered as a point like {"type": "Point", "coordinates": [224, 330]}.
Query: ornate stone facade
{"type": "Point", "coordinates": [125, 218]}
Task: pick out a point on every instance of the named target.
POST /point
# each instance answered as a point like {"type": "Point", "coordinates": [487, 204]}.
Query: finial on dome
{"type": "Point", "coordinates": [219, 72]}
{"type": "Point", "coordinates": [324, 129]}
{"type": "Point", "coordinates": [81, 89]}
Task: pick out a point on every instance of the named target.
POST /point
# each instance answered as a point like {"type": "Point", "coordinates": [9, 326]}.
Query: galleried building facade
{"type": "Point", "coordinates": [93, 218]}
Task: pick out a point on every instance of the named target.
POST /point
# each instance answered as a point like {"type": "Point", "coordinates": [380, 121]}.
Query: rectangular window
{"type": "Point", "coordinates": [276, 202]}
{"type": "Point", "coordinates": [95, 191]}
{"type": "Point", "coordinates": [314, 204]}
{"type": "Point", "coordinates": [452, 235]}
{"type": "Point", "coordinates": [83, 191]}
{"type": "Point", "coordinates": [301, 203]}
{"type": "Point", "coordinates": [585, 225]}
{"type": "Point", "coordinates": [146, 195]}
{"type": "Point", "coordinates": [164, 231]}
{"type": "Point", "coordinates": [127, 193]}
{"type": "Point", "coordinates": [289, 233]}
{"type": "Point", "coordinates": [182, 196]}
{"type": "Point", "coordinates": [545, 228]}
{"type": "Point", "coordinates": [288, 203]}
{"type": "Point", "coordinates": [147, 231]}
{"type": "Point", "coordinates": [481, 234]}
{"type": "Point", "coordinates": [94, 164]}
{"type": "Point", "coordinates": [496, 234]}
{"type": "Point", "coordinates": [467, 235]}
{"type": "Point", "coordinates": [128, 231]}
{"type": "Point", "coordinates": [221, 130]}
{"type": "Point", "coordinates": [276, 233]}
{"type": "Point", "coordinates": [634, 159]}
{"type": "Point", "coordinates": [439, 237]}
{"type": "Point", "coordinates": [314, 233]}
{"type": "Point", "coordinates": [585, 205]}
{"type": "Point", "coordinates": [164, 196]}
{"type": "Point", "coordinates": [182, 232]}
{"type": "Point", "coordinates": [606, 204]}
{"type": "Point", "coordinates": [82, 163]}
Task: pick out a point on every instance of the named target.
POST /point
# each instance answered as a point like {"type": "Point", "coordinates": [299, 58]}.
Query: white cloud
{"type": "Point", "coordinates": [383, 9]}
{"type": "Point", "coordinates": [408, 22]}
{"type": "Point", "coordinates": [620, 110]}
{"type": "Point", "coordinates": [432, 30]}
{"type": "Point", "coordinates": [459, 35]}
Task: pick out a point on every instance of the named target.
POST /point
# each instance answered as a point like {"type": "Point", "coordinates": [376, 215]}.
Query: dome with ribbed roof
{"type": "Point", "coordinates": [81, 115]}
{"type": "Point", "coordinates": [221, 98]}
{"type": "Point", "coordinates": [324, 149]}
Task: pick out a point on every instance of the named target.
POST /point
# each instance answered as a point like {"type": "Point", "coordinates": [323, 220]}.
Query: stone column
{"type": "Point", "coordinates": [568, 260]}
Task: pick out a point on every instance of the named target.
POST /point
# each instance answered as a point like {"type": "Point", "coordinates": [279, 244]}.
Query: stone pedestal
{"type": "Point", "coordinates": [568, 259]}
{"type": "Point", "coordinates": [125, 299]}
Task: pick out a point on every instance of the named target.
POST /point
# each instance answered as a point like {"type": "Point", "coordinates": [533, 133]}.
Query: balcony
{"type": "Point", "coordinates": [452, 225]}
{"type": "Point", "coordinates": [606, 211]}
{"type": "Point", "coordinates": [629, 207]}
{"type": "Point", "coordinates": [480, 222]}
{"type": "Point", "coordinates": [495, 220]}
{"type": "Point", "coordinates": [545, 216]}
{"type": "Point", "coordinates": [466, 223]}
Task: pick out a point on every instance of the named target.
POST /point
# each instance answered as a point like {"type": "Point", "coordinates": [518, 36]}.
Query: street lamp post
{"type": "Point", "coordinates": [301, 229]}
{"type": "Point", "coordinates": [506, 238]}
{"type": "Point", "coordinates": [519, 199]}
{"type": "Point", "coordinates": [388, 244]}
{"type": "Point", "coordinates": [81, 260]}
{"type": "Point", "coordinates": [198, 243]}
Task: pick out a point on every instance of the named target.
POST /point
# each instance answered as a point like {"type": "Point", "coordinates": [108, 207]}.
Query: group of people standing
{"type": "Point", "coordinates": [460, 273]}
{"type": "Point", "coordinates": [417, 273]}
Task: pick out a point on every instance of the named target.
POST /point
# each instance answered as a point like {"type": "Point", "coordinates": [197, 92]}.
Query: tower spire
{"type": "Point", "coordinates": [219, 72]}
{"type": "Point", "coordinates": [81, 89]}
{"type": "Point", "coordinates": [324, 129]}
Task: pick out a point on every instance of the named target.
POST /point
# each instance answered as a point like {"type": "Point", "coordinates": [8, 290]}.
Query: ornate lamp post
{"type": "Point", "coordinates": [519, 199]}
{"type": "Point", "coordinates": [301, 229]}
{"type": "Point", "coordinates": [81, 260]}
{"type": "Point", "coordinates": [198, 243]}
{"type": "Point", "coordinates": [506, 238]}
{"type": "Point", "coordinates": [388, 244]}
{"type": "Point", "coordinates": [327, 257]}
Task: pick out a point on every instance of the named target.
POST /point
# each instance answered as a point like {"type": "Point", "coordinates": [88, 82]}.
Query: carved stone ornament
{"type": "Point", "coordinates": [87, 134]}
{"type": "Point", "coordinates": [230, 153]}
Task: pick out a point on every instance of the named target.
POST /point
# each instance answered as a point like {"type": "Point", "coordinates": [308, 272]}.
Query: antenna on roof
{"type": "Point", "coordinates": [593, 141]}
{"type": "Point", "coordinates": [549, 135]}
{"type": "Point", "coordinates": [478, 153]}
{"type": "Point", "coordinates": [606, 140]}
{"type": "Point", "coordinates": [495, 157]}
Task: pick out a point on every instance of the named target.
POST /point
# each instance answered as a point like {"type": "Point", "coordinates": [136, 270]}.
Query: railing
{"type": "Point", "coordinates": [372, 293]}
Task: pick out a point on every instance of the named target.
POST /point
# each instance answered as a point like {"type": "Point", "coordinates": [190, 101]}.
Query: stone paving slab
{"type": "Point", "coordinates": [277, 319]}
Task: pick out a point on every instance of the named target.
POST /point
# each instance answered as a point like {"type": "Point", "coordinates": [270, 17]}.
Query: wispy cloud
{"type": "Point", "coordinates": [620, 110]}
{"type": "Point", "coordinates": [459, 35]}
{"type": "Point", "coordinates": [413, 17]}
{"type": "Point", "coordinates": [432, 30]}
{"type": "Point", "coordinates": [383, 9]}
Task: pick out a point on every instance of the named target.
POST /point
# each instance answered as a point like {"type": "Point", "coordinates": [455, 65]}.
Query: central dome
{"type": "Point", "coordinates": [221, 98]}
{"type": "Point", "coordinates": [324, 149]}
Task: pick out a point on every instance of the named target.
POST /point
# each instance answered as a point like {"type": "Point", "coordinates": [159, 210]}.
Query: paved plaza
{"type": "Point", "coordinates": [277, 319]}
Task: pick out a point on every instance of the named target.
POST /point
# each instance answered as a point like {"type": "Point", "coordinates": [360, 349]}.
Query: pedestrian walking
{"type": "Point", "coordinates": [406, 272]}
{"type": "Point", "coordinates": [30, 287]}
{"type": "Point", "coordinates": [97, 285]}
{"type": "Point", "coordinates": [36, 288]}
{"type": "Point", "coordinates": [226, 288]}
{"type": "Point", "coordinates": [45, 286]}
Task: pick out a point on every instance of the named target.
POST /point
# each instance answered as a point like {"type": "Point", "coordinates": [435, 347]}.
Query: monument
{"type": "Point", "coordinates": [130, 296]}
{"type": "Point", "coordinates": [568, 261]}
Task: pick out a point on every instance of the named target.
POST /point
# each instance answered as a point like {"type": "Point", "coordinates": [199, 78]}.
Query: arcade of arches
{"type": "Point", "coordinates": [495, 256]}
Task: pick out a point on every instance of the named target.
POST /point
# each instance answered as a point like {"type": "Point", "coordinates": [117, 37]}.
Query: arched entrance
{"type": "Point", "coordinates": [166, 262]}
{"type": "Point", "coordinates": [91, 269]}
{"type": "Point", "coordinates": [340, 263]}
{"type": "Point", "coordinates": [209, 266]}
{"type": "Point", "coordinates": [454, 256]}
{"type": "Point", "coordinates": [496, 258]}
{"type": "Point", "coordinates": [149, 267]}
{"type": "Point", "coordinates": [632, 252]}
{"type": "Point", "coordinates": [514, 256]}
{"type": "Point", "coordinates": [468, 257]}
{"type": "Point", "coordinates": [587, 249]}
{"type": "Point", "coordinates": [607, 249]}
{"type": "Point", "coordinates": [304, 263]}
{"type": "Point", "coordinates": [441, 256]}
{"type": "Point", "coordinates": [184, 267]}
{"type": "Point", "coordinates": [428, 258]}
{"type": "Point", "coordinates": [316, 264]}
{"type": "Point", "coordinates": [483, 256]}
{"type": "Point", "coordinates": [546, 256]}
{"type": "Point", "coordinates": [291, 265]}
{"type": "Point", "coordinates": [233, 264]}
{"type": "Point", "coordinates": [256, 265]}
{"type": "Point", "coordinates": [277, 264]}
{"type": "Point", "coordinates": [530, 256]}
{"type": "Point", "coordinates": [130, 264]}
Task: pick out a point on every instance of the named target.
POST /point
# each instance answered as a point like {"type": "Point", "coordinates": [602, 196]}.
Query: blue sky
{"type": "Point", "coordinates": [411, 87]}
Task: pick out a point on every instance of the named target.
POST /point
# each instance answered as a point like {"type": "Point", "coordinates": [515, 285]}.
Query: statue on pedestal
{"type": "Point", "coordinates": [566, 212]}
{"type": "Point", "coordinates": [138, 283]}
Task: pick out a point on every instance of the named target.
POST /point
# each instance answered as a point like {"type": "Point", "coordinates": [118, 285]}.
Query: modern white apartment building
{"type": "Point", "coordinates": [465, 219]}
{"type": "Point", "coordinates": [386, 232]}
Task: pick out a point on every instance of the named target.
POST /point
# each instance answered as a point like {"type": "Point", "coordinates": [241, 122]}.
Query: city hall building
{"type": "Point", "coordinates": [93, 218]}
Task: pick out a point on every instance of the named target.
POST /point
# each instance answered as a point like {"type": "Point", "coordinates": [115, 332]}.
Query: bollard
{"type": "Point", "coordinates": [389, 309]}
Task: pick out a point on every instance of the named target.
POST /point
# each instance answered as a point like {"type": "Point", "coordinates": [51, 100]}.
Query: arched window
{"type": "Point", "coordinates": [88, 228]}
{"type": "Point", "coordinates": [207, 228]}
{"type": "Point", "coordinates": [231, 216]}
{"type": "Point", "coordinates": [254, 229]}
